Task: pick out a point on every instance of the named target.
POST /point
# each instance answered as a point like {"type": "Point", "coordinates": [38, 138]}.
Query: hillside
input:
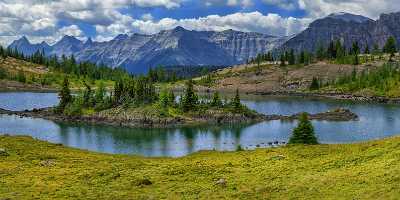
{"type": "Point", "coordinates": [18, 74]}
{"type": "Point", "coordinates": [11, 68]}
{"type": "Point", "coordinates": [34, 169]}
{"type": "Point", "coordinates": [270, 78]}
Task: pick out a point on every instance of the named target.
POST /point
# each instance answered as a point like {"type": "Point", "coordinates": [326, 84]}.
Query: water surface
{"type": "Point", "coordinates": [376, 121]}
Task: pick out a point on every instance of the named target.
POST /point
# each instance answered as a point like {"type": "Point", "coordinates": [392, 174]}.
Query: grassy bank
{"type": "Point", "coordinates": [39, 170]}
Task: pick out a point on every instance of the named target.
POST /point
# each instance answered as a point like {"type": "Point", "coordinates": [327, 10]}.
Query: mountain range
{"type": "Point", "coordinates": [181, 47]}
{"type": "Point", "coordinates": [176, 47]}
{"type": "Point", "coordinates": [347, 28]}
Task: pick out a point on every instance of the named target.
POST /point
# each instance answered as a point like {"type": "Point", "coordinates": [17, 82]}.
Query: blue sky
{"type": "Point", "coordinates": [49, 20]}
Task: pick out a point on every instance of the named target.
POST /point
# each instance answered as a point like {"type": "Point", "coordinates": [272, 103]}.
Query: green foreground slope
{"type": "Point", "coordinates": [39, 170]}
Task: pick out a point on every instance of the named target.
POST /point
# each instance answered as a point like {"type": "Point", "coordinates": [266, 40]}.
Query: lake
{"type": "Point", "coordinates": [376, 121]}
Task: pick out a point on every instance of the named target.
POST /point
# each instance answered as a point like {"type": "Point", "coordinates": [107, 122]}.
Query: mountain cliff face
{"type": "Point", "coordinates": [177, 47]}
{"type": "Point", "coordinates": [348, 28]}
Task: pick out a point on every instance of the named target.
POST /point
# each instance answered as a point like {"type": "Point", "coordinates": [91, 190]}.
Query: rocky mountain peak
{"type": "Point", "coordinates": [121, 37]}
{"type": "Point", "coordinates": [69, 40]}
{"type": "Point", "coordinates": [22, 41]}
{"type": "Point", "coordinates": [348, 17]}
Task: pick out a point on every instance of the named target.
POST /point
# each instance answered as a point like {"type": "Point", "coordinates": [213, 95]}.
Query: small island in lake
{"type": "Point", "coordinates": [135, 103]}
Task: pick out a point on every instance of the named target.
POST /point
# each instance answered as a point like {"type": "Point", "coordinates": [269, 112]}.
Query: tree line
{"type": "Point", "coordinates": [335, 51]}
{"type": "Point", "coordinates": [140, 91]}
{"type": "Point", "coordinates": [67, 65]}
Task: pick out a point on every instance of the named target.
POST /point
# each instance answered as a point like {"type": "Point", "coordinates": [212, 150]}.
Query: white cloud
{"type": "Point", "coordinates": [39, 19]}
{"type": "Point", "coordinates": [250, 22]}
{"type": "Point", "coordinates": [147, 17]}
{"type": "Point", "coordinates": [242, 3]}
{"type": "Point", "coordinates": [369, 8]}
{"type": "Point", "coordinates": [284, 4]}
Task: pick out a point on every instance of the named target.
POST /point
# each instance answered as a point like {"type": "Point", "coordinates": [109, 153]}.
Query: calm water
{"type": "Point", "coordinates": [376, 121]}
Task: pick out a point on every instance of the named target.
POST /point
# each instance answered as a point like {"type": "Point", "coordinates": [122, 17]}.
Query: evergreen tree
{"type": "Point", "coordinates": [304, 133]}
{"type": "Point", "coordinates": [163, 99]}
{"type": "Point", "coordinates": [314, 84]}
{"type": "Point", "coordinates": [100, 93]}
{"type": "Point", "coordinates": [390, 47]}
{"type": "Point", "coordinates": [87, 95]}
{"type": "Point", "coordinates": [302, 57]}
{"type": "Point", "coordinates": [64, 95]}
{"type": "Point", "coordinates": [190, 99]}
{"type": "Point", "coordinates": [283, 62]}
{"type": "Point", "coordinates": [331, 50]}
{"type": "Point", "coordinates": [292, 58]}
{"type": "Point", "coordinates": [118, 91]}
{"type": "Point", "coordinates": [21, 77]}
{"type": "Point", "coordinates": [171, 98]}
{"type": "Point", "coordinates": [320, 52]}
{"type": "Point", "coordinates": [376, 49]}
{"type": "Point", "coordinates": [3, 73]}
{"type": "Point", "coordinates": [355, 50]}
{"type": "Point", "coordinates": [236, 104]}
{"type": "Point", "coordinates": [216, 100]}
{"type": "Point", "coordinates": [366, 50]}
{"type": "Point", "coordinates": [340, 52]}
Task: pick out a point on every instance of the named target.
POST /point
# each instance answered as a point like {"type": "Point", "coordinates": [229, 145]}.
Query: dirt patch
{"type": "Point", "coordinates": [273, 78]}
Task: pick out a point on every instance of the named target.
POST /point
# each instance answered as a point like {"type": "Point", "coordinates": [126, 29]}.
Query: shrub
{"type": "Point", "coordinates": [216, 100]}
{"type": "Point", "coordinates": [21, 77]}
{"type": "Point", "coordinates": [3, 73]}
{"type": "Point", "coordinates": [74, 108]}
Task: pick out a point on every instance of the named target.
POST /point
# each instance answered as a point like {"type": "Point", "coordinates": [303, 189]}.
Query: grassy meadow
{"type": "Point", "coordinates": [32, 169]}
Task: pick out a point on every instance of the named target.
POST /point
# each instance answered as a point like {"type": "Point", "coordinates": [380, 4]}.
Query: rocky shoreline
{"type": "Point", "coordinates": [215, 119]}
{"type": "Point", "coordinates": [335, 96]}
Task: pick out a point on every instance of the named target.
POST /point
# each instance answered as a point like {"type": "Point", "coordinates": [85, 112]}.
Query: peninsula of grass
{"type": "Point", "coordinates": [32, 169]}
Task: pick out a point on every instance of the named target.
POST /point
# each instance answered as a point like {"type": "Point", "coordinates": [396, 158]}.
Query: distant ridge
{"type": "Point", "coordinates": [181, 47]}
{"type": "Point", "coordinates": [176, 47]}
{"type": "Point", "coordinates": [347, 28]}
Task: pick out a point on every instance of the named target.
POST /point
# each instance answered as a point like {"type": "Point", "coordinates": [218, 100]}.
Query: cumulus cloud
{"type": "Point", "coordinates": [250, 22]}
{"type": "Point", "coordinates": [284, 4]}
{"type": "Point", "coordinates": [369, 8]}
{"type": "Point", "coordinates": [41, 19]}
{"type": "Point", "coordinates": [242, 3]}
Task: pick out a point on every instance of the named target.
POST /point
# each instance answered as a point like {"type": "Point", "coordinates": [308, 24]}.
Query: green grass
{"type": "Point", "coordinates": [39, 170]}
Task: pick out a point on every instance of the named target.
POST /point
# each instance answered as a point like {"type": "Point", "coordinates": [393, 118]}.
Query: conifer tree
{"type": "Point", "coordinates": [283, 62]}
{"type": "Point", "coordinates": [320, 52]}
{"type": "Point", "coordinates": [314, 84]}
{"type": "Point", "coordinates": [292, 57]}
{"type": "Point", "coordinates": [171, 98]}
{"type": "Point", "coordinates": [216, 100]}
{"type": "Point", "coordinates": [236, 104]}
{"type": "Point", "coordinates": [390, 47]}
{"type": "Point", "coordinates": [87, 95]}
{"type": "Point", "coordinates": [118, 90]}
{"type": "Point", "coordinates": [64, 95]}
{"type": "Point", "coordinates": [163, 99]}
{"type": "Point", "coordinates": [366, 51]}
{"type": "Point", "coordinates": [304, 132]}
{"type": "Point", "coordinates": [190, 99]}
{"type": "Point", "coordinates": [376, 49]}
{"type": "Point", "coordinates": [100, 93]}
